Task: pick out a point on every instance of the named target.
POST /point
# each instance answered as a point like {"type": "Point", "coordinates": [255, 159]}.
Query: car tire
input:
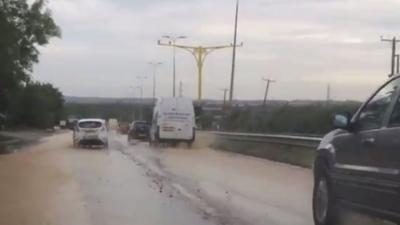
{"type": "Point", "coordinates": [75, 143]}
{"type": "Point", "coordinates": [324, 203]}
{"type": "Point", "coordinates": [190, 143]}
{"type": "Point", "coordinates": [157, 138]}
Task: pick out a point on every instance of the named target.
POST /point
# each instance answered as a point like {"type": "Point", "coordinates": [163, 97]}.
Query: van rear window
{"type": "Point", "coordinates": [90, 124]}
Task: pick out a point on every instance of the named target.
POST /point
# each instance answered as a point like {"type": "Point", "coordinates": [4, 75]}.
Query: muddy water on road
{"type": "Point", "coordinates": [239, 189]}
{"type": "Point", "coordinates": [52, 183]}
{"type": "Point", "coordinates": [37, 188]}
{"type": "Point", "coordinates": [259, 192]}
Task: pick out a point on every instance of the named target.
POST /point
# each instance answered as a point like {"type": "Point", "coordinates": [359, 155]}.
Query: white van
{"type": "Point", "coordinates": [173, 121]}
{"type": "Point", "coordinates": [113, 124]}
{"type": "Point", "coordinates": [89, 132]}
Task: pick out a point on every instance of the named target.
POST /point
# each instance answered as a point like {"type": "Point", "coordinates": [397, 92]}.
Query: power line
{"type": "Point", "coordinates": [267, 89]}
{"type": "Point", "coordinates": [393, 41]}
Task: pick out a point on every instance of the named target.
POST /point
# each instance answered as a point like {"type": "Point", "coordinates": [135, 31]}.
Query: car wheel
{"type": "Point", "coordinates": [156, 141]}
{"type": "Point", "coordinates": [75, 144]}
{"type": "Point", "coordinates": [325, 210]}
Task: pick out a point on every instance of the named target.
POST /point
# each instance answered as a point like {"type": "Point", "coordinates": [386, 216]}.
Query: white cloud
{"type": "Point", "coordinates": [303, 44]}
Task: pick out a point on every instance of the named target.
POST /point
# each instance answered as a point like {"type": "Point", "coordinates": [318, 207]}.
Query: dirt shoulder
{"type": "Point", "coordinates": [12, 141]}
{"type": "Point", "coordinates": [37, 186]}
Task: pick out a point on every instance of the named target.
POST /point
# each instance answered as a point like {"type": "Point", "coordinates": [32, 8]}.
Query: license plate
{"type": "Point", "coordinates": [91, 136]}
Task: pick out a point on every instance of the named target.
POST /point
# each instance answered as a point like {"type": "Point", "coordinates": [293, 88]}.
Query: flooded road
{"type": "Point", "coordinates": [53, 183]}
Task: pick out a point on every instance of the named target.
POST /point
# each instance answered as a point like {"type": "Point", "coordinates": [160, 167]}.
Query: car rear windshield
{"type": "Point", "coordinates": [140, 124]}
{"type": "Point", "coordinates": [90, 124]}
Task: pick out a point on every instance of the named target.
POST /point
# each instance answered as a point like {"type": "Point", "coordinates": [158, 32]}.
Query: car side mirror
{"type": "Point", "coordinates": [341, 121]}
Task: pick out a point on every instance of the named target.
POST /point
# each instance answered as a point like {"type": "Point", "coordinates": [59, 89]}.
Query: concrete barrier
{"type": "Point", "coordinates": [295, 150]}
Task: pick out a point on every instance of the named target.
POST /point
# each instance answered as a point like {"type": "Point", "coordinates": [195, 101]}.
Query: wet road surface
{"type": "Point", "coordinates": [53, 183]}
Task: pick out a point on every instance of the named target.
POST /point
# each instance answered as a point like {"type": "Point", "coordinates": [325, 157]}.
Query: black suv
{"type": "Point", "coordinates": [138, 130]}
{"type": "Point", "coordinates": [358, 164]}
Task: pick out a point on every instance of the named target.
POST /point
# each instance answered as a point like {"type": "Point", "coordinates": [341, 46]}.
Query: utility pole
{"type": "Point", "coordinates": [140, 87]}
{"type": "Point", "coordinates": [328, 93]}
{"type": "Point", "coordinates": [393, 41]}
{"type": "Point", "coordinates": [225, 90]}
{"type": "Point", "coordinates": [172, 40]}
{"type": "Point", "coordinates": [397, 63]}
{"type": "Point", "coordinates": [154, 65]}
{"type": "Point", "coordinates": [200, 53]}
{"type": "Point", "coordinates": [180, 89]}
{"type": "Point", "coordinates": [267, 89]}
{"type": "Point", "coordinates": [141, 78]}
{"type": "Point", "coordinates": [234, 54]}
{"type": "Point", "coordinates": [141, 91]}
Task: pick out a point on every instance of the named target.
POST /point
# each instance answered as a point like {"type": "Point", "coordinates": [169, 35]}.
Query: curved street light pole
{"type": "Point", "coordinates": [269, 81]}
{"type": "Point", "coordinates": [200, 53]}
{"type": "Point", "coordinates": [154, 65]}
{"type": "Point", "coordinates": [172, 41]}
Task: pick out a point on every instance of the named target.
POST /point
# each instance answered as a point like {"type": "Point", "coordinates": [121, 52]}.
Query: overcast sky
{"type": "Point", "coordinates": [304, 45]}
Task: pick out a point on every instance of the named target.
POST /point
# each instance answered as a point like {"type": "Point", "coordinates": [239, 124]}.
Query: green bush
{"type": "Point", "coordinates": [36, 105]}
{"type": "Point", "coordinates": [308, 119]}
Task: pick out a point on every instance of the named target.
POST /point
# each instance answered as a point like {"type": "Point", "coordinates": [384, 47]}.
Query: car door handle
{"type": "Point", "coordinates": [368, 141]}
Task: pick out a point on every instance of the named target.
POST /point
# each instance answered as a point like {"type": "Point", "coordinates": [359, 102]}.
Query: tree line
{"type": "Point", "coordinates": [124, 112]}
{"type": "Point", "coordinates": [308, 119]}
{"type": "Point", "coordinates": [313, 119]}
{"type": "Point", "coordinates": [25, 102]}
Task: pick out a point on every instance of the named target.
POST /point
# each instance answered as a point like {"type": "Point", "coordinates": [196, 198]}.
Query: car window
{"type": "Point", "coordinates": [372, 115]}
{"type": "Point", "coordinates": [395, 116]}
{"type": "Point", "coordinates": [90, 124]}
{"type": "Point", "coordinates": [140, 124]}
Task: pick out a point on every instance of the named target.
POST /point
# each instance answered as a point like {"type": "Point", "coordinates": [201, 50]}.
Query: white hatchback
{"type": "Point", "coordinates": [89, 132]}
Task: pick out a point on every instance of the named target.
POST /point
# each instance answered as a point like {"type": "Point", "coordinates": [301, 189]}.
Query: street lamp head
{"type": "Point", "coordinates": [268, 80]}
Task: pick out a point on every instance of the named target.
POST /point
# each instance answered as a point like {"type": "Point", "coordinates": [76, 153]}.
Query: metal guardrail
{"type": "Point", "coordinates": [300, 141]}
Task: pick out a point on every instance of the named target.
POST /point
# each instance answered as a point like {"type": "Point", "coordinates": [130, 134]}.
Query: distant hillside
{"type": "Point", "coordinates": [101, 100]}
{"type": "Point", "coordinates": [206, 102]}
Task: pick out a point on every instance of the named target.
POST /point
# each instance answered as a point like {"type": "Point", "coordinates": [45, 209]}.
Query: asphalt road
{"type": "Point", "coordinates": [53, 183]}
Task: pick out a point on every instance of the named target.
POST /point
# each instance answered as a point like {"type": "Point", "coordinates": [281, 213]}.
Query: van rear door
{"type": "Point", "coordinates": [179, 124]}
